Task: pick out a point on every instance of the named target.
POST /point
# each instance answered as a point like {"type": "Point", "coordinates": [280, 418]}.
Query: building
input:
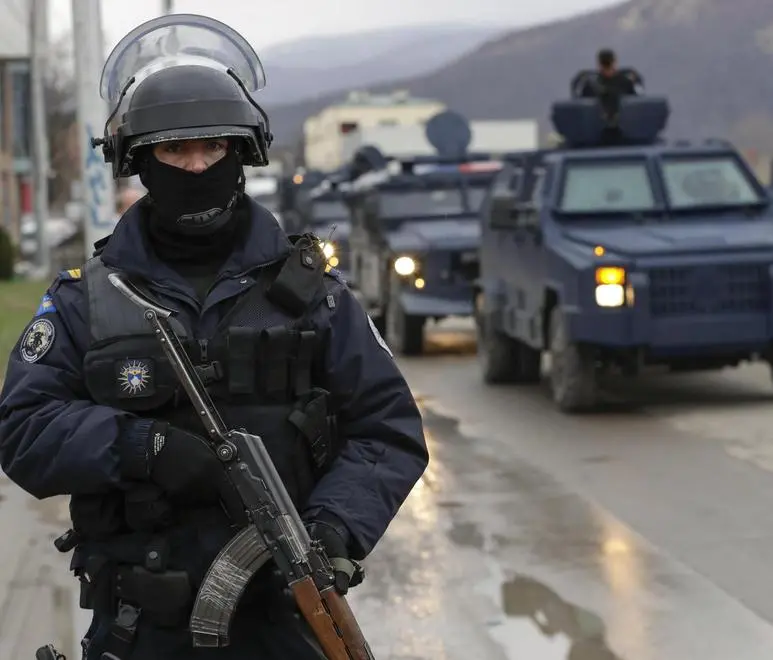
{"type": "Point", "coordinates": [325, 133]}
{"type": "Point", "coordinates": [15, 122]}
{"type": "Point", "coordinates": [490, 137]}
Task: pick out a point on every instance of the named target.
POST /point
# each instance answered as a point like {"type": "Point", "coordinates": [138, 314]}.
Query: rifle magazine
{"type": "Point", "coordinates": [223, 586]}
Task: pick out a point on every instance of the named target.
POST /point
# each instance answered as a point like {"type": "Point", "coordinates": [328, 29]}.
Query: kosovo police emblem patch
{"type": "Point", "coordinates": [135, 378]}
{"type": "Point", "coordinates": [37, 340]}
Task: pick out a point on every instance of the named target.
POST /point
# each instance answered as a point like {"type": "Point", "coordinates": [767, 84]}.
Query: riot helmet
{"type": "Point", "coordinates": [182, 77]}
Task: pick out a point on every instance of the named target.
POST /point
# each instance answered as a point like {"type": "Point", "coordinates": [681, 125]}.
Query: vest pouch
{"type": "Point", "coordinates": [316, 427]}
{"type": "Point", "coordinates": [130, 373]}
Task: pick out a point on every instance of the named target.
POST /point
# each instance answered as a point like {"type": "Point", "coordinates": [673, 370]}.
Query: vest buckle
{"type": "Point", "coordinates": [210, 373]}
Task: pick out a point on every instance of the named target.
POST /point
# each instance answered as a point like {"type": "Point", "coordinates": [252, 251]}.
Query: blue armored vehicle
{"type": "Point", "coordinates": [416, 232]}
{"type": "Point", "coordinates": [292, 189]}
{"type": "Point", "coordinates": [617, 250]}
{"type": "Point", "coordinates": [323, 212]}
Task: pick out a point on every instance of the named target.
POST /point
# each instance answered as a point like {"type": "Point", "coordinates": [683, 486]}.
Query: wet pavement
{"type": "Point", "coordinates": [511, 565]}
{"type": "Point", "coordinates": [634, 533]}
{"type": "Point", "coordinates": [639, 533]}
{"type": "Point", "coordinates": [36, 592]}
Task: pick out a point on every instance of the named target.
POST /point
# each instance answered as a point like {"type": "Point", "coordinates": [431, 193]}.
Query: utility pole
{"type": "Point", "coordinates": [168, 6]}
{"type": "Point", "coordinates": [40, 160]}
{"type": "Point", "coordinates": [98, 190]}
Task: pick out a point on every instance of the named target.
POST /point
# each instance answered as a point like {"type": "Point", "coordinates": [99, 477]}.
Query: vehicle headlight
{"type": "Point", "coordinates": [610, 295]}
{"type": "Point", "coordinates": [610, 286]}
{"type": "Point", "coordinates": [405, 266]}
{"type": "Point", "coordinates": [328, 249]}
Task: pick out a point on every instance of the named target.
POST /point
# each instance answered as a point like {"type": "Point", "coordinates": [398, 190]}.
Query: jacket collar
{"type": "Point", "coordinates": [128, 248]}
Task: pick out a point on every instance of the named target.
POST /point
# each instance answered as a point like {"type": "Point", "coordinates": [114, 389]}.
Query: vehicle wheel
{"type": "Point", "coordinates": [502, 358]}
{"type": "Point", "coordinates": [405, 332]}
{"type": "Point", "coordinates": [573, 378]}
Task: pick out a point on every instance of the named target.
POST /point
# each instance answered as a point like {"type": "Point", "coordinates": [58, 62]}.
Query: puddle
{"type": "Point", "coordinates": [523, 597]}
{"type": "Point", "coordinates": [466, 535]}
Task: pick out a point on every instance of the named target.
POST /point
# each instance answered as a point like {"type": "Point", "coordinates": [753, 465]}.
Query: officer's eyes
{"type": "Point", "coordinates": [216, 146]}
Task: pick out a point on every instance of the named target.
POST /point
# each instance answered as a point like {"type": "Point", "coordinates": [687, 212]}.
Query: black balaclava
{"type": "Point", "coordinates": [193, 204]}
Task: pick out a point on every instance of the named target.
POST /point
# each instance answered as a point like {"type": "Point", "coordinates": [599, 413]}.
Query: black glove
{"type": "Point", "coordinates": [331, 532]}
{"type": "Point", "coordinates": [187, 469]}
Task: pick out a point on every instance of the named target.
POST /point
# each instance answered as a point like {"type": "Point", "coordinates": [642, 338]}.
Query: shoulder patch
{"type": "Point", "coordinates": [46, 305]}
{"type": "Point", "coordinates": [71, 274]}
{"type": "Point", "coordinates": [37, 340]}
{"type": "Point", "coordinates": [378, 336]}
{"type": "Point", "coordinates": [335, 274]}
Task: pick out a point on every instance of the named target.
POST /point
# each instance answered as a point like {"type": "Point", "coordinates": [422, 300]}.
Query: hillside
{"type": "Point", "coordinates": [713, 58]}
{"type": "Point", "coordinates": [305, 68]}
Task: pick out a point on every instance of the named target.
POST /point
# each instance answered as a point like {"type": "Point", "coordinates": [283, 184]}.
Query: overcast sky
{"type": "Point", "coordinates": [267, 22]}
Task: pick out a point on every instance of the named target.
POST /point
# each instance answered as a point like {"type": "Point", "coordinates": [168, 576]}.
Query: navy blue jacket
{"type": "Point", "coordinates": [54, 440]}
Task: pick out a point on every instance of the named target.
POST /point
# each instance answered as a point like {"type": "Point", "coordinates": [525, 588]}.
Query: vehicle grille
{"type": "Point", "coordinates": [716, 289]}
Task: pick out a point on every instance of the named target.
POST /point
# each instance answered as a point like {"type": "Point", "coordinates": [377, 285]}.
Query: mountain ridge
{"type": "Point", "coordinates": [712, 58]}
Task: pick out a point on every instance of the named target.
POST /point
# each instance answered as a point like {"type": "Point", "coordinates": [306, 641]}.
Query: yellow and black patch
{"type": "Point", "coordinates": [71, 274]}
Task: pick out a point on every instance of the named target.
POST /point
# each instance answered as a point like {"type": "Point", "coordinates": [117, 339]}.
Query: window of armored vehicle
{"type": "Point", "coordinates": [438, 202]}
{"type": "Point", "coordinates": [696, 181]}
{"type": "Point", "coordinates": [599, 186]}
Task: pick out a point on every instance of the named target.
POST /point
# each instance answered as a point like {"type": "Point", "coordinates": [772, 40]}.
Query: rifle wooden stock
{"type": "Point", "coordinates": [332, 621]}
{"type": "Point", "coordinates": [345, 621]}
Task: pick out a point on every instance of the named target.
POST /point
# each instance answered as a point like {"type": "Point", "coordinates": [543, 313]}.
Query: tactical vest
{"type": "Point", "coordinates": [258, 367]}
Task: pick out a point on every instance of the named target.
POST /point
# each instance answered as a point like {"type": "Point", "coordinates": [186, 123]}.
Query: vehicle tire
{"type": "Point", "coordinates": [573, 377]}
{"type": "Point", "coordinates": [405, 332]}
{"type": "Point", "coordinates": [502, 358]}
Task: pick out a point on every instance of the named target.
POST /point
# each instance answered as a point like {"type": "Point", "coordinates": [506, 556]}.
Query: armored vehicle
{"type": "Point", "coordinates": [618, 250]}
{"type": "Point", "coordinates": [416, 232]}
{"type": "Point", "coordinates": [323, 212]}
{"type": "Point", "coordinates": [292, 189]}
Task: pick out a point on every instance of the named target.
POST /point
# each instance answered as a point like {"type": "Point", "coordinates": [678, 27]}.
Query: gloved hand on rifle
{"type": "Point", "coordinates": [331, 532]}
{"type": "Point", "coordinates": [181, 463]}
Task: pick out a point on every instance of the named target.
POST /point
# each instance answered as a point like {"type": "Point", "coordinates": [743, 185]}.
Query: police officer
{"type": "Point", "coordinates": [608, 80]}
{"type": "Point", "coordinates": [91, 409]}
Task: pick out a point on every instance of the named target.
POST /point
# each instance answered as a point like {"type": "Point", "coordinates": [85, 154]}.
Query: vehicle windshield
{"type": "Point", "coordinates": [697, 182]}
{"type": "Point", "coordinates": [423, 203]}
{"type": "Point", "coordinates": [608, 186]}
{"type": "Point", "coordinates": [329, 210]}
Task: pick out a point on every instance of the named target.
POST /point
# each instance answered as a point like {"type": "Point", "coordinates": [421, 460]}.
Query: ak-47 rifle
{"type": "Point", "coordinates": [275, 529]}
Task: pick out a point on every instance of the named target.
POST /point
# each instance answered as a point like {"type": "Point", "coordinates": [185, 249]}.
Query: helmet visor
{"type": "Point", "coordinates": [178, 39]}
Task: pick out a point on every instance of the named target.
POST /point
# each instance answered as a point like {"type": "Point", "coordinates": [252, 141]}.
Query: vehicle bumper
{"type": "Point", "coordinates": [683, 310]}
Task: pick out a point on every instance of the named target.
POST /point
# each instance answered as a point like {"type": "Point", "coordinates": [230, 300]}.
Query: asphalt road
{"type": "Point", "coordinates": [638, 533]}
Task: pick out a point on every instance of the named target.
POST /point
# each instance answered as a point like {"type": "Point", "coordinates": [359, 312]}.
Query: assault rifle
{"type": "Point", "coordinates": [275, 529]}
